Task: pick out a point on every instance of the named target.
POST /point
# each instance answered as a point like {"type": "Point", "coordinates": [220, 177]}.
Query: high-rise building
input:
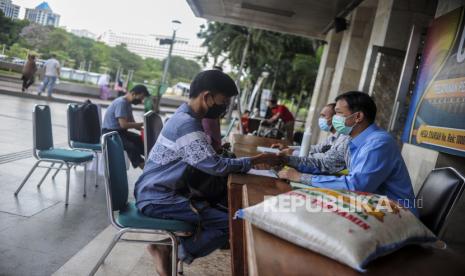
{"type": "Point", "coordinates": [9, 9]}
{"type": "Point", "coordinates": [43, 15]}
{"type": "Point", "coordinates": [149, 45]}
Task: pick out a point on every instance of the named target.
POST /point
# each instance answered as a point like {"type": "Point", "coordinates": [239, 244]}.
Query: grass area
{"type": "Point", "coordinates": [7, 73]}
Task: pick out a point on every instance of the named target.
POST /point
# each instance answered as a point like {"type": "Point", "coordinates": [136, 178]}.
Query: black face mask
{"type": "Point", "coordinates": [136, 101]}
{"type": "Point", "coordinates": [216, 111]}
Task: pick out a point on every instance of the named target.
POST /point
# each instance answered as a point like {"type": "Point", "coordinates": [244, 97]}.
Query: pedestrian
{"type": "Point", "coordinates": [119, 88]}
{"type": "Point", "coordinates": [29, 70]}
{"type": "Point", "coordinates": [52, 73]}
{"type": "Point", "coordinates": [103, 82]}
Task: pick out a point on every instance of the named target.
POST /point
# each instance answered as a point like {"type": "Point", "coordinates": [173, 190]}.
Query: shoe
{"type": "Point", "coordinates": [22, 89]}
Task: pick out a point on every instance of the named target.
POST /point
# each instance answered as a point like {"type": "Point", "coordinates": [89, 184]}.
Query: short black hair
{"type": "Point", "coordinates": [140, 89]}
{"type": "Point", "coordinates": [359, 101]}
{"type": "Point", "coordinates": [214, 81]}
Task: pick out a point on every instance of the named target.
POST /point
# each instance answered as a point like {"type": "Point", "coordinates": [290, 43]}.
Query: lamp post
{"type": "Point", "coordinates": [175, 25]}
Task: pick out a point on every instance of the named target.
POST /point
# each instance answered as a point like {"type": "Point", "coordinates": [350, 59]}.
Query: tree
{"type": "Point", "coordinates": [35, 36]}
{"type": "Point", "coordinates": [182, 69]}
{"type": "Point", "coordinates": [150, 71]}
{"type": "Point", "coordinates": [17, 51]}
{"type": "Point", "coordinates": [268, 51]}
{"type": "Point", "coordinates": [10, 29]}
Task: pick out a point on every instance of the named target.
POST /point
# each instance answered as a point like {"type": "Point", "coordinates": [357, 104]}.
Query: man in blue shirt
{"type": "Point", "coordinates": [374, 160]}
{"type": "Point", "coordinates": [119, 117]}
{"type": "Point", "coordinates": [182, 145]}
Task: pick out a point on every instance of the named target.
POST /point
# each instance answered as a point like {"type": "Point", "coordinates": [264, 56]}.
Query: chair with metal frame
{"type": "Point", "coordinates": [129, 219]}
{"type": "Point", "coordinates": [79, 145]}
{"type": "Point", "coordinates": [152, 128]}
{"type": "Point", "coordinates": [44, 151]}
{"type": "Point", "coordinates": [439, 194]}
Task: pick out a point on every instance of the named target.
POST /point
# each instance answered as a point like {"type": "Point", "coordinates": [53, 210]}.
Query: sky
{"type": "Point", "coordinates": [134, 16]}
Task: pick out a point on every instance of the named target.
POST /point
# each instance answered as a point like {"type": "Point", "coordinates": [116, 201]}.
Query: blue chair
{"type": "Point", "coordinates": [78, 145]}
{"type": "Point", "coordinates": [129, 219]}
{"type": "Point", "coordinates": [44, 151]}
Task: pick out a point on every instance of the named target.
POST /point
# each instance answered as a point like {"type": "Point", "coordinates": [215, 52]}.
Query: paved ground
{"type": "Point", "coordinates": [38, 234]}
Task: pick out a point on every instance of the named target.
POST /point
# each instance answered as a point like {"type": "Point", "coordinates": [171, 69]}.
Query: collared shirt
{"type": "Point", "coordinates": [376, 166]}
{"type": "Point", "coordinates": [327, 157]}
{"type": "Point", "coordinates": [181, 143]}
{"type": "Point", "coordinates": [119, 108]}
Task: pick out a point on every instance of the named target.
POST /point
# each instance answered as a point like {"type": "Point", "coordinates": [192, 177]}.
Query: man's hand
{"type": "Point", "coordinates": [279, 146]}
{"type": "Point", "coordinates": [269, 159]}
{"type": "Point", "coordinates": [287, 151]}
{"type": "Point", "coordinates": [139, 126]}
{"type": "Point", "coordinates": [290, 174]}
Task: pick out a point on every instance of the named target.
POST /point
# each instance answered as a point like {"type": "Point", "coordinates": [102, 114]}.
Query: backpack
{"type": "Point", "coordinates": [85, 118]}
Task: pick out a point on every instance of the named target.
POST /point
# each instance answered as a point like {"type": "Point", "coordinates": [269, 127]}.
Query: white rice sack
{"type": "Point", "coordinates": [352, 228]}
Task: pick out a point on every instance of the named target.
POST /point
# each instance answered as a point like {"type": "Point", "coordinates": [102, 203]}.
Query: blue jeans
{"type": "Point", "coordinates": [50, 82]}
{"type": "Point", "coordinates": [213, 233]}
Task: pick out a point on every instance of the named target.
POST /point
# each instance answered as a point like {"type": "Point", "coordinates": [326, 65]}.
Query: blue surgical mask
{"type": "Point", "coordinates": [339, 124]}
{"type": "Point", "coordinates": [323, 124]}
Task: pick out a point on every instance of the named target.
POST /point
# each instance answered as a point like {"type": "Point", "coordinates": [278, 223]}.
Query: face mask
{"type": "Point", "coordinates": [323, 124]}
{"type": "Point", "coordinates": [136, 101]}
{"type": "Point", "coordinates": [216, 111]}
{"type": "Point", "coordinates": [339, 123]}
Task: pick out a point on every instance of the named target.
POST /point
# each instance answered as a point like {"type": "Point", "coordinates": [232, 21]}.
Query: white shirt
{"type": "Point", "coordinates": [51, 67]}
{"type": "Point", "coordinates": [103, 80]}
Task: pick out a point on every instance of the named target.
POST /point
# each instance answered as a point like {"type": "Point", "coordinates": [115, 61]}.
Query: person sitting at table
{"type": "Point", "coordinates": [182, 145]}
{"type": "Point", "coordinates": [327, 157]}
{"type": "Point", "coordinates": [375, 163]}
{"type": "Point", "coordinates": [119, 117]}
{"type": "Point", "coordinates": [277, 111]}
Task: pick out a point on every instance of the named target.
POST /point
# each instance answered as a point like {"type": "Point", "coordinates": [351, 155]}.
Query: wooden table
{"type": "Point", "coordinates": [246, 145]}
{"type": "Point", "coordinates": [256, 252]}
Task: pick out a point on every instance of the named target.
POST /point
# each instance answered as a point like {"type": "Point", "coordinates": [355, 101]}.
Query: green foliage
{"type": "Point", "coordinates": [10, 29]}
{"type": "Point", "coordinates": [181, 68]}
{"type": "Point", "coordinates": [22, 37]}
{"type": "Point", "coordinates": [292, 61]}
{"type": "Point", "coordinates": [151, 71]}
{"type": "Point", "coordinates": [17, 51]}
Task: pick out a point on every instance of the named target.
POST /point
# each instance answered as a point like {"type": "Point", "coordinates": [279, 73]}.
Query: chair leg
{"type": "Point", "coordinates": [68, 168]}
{"type": "Point", "coordinates": [27, 177]}
{"type": "Point", "coordinates": [96, 169]}
{"type": "Point", "coordinates": [45, 175]}
{"type": "Point", "coordinates": [174, 257]}
{"type": "Point", "coordinates": [85, 179]}
{"type": "Point", "coordinates": [58, 170]}
{"type": "Point", "coordinates": [107, 252]}
{"type": "Point", "coordinates": [181, 268]}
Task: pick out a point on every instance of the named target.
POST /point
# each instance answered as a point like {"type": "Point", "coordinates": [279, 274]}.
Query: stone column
{"type": "Point", "coordinates": [353, 49]}
{"type": "Point", "coordinates": [323, 81]}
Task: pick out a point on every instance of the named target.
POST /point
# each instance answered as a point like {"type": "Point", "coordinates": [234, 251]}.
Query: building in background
{"type": "Point", "coordinates": [149, 45]}
{"type": "Point", "coordinates": [9, 9]}
{"type": "Point", "coordinates": [43, 15]}
{"type": "Point", "coordinates": [83, 33]}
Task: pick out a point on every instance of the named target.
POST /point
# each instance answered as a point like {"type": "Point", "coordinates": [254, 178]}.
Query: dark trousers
{"type": "Point", "coordinates": [27, 81]}
{"type": "Point", "coordinates": [132, 144]}
{"type": "Point", "coordinates": [214, 226]}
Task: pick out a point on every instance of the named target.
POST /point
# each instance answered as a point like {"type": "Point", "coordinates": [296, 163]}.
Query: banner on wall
{"type": "Point", "coordinates": [436, 117]}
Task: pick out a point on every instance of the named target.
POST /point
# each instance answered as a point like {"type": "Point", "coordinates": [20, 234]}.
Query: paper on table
{"type": "Point", "coordinates": [269, 173]}
{"type": "Point", "coordinates": [267, 149]}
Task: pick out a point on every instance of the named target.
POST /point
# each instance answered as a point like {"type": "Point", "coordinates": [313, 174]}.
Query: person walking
{"type": "Point", "coordinates": [52, 72]}
{"type": "Point", "coordinates": [103, 83]}
{"type": "Point", "coordinates": [29, 70]}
